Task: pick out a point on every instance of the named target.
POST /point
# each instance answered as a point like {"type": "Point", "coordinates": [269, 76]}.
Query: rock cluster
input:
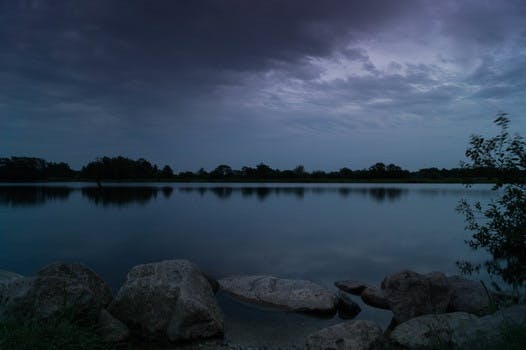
{"type": "Point", "coordinates": [456, 330]}
{"type": "Point", "coordinates": [173, 301]}
{"type": "Point", "coordinates": [350, 335]}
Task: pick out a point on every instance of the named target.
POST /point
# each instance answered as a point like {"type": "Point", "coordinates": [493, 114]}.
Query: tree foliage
{"type": "Point", "coordinates": [500, 226]}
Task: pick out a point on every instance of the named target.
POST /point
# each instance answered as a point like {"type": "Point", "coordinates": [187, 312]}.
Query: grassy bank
{"type": "Point", "coordinates": [53, 334]}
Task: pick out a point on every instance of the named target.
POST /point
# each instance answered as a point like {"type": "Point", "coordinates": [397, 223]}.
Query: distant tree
{"type": "Point", "coordinates": [22, 169]}
{"type": "Point", "coordinates": [167, 172]}
{"type": "Point", "coordinates": [58, 171]}
{"type": "Point", "coordinates": [377, 170]}
{"type": "Point", "coordinates": [119, 168]}
{"type": "Point", "coordinates": [222, 172]}
{"type": "Point", "coordinates": [263, 171]}
{"type": "Point", "coordinates": [500, 226]}
{"type": "Point", "coordinates": [202, 173]}
{"type": "Point", "coordinates": [345, 173]}
{"type": "Point", "coordinates": [299, 171]}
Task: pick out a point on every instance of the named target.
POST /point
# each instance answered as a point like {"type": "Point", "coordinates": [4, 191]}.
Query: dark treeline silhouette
{"type": "Point", "coordinates": [33, 169]}
{"type": "Point", "coordinates": [122, 169]}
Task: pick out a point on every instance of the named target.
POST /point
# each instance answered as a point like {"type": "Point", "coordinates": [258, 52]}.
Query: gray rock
{"type": "Point", "coordinates": [169, 300]}
{"type": "Point", "coordinates": [468, 296]}
{"type": "Point", "coordinates": [213, 282]}
{"type": "Point", "coordinates": [111, 329]}
{"type": "Point", "coordinates": [350, 335]}
{"type": "Point", "coordinates": [5, 278]}
{"type": "Point", "coordinates": [457, 329]}
{"type": "Point", "coordinates": [433, 331]}
{"type": "Point", "coordinates": [410, 294]}
{"type": "Point", "coordinates": [374, 297]}
{"type": "Point", "coordinates": [351, 286]}
{"type": "Point", "coordinates": [8, 276]}
{"type": "Point", "coordinates": [38, 298]}
{"type": "Point", "coordinates": [287, 294]}
{"type": "Point", "coordinates": [347, 308]}
{"type": "Point", "coordinates": [81, 274]}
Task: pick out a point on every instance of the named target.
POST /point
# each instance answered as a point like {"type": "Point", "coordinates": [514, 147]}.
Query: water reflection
{"type": "Point", "coordinates": [20, 196]}
{"type": "Point", "coordinates": [124, 195]}
{"type": "Point", "coordinates": [379, 194]}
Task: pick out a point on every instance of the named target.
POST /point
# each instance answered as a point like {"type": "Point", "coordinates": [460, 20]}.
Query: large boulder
{"type": "Point", "coordinates": [350, 335]}
{"type": "Point", "coordinates": [55, 294]}
{"type": "Point", "coordinates": [81, 274]}
{"type": "Point", "coordinates": [410, 294]}
{"type": "Point", "coordinates": [287, 294]}
{"type": "Point", "coordinates": [169, 300]}
{"type": "Point", "coordinates": [457, 330]}
{"type": "Point", "coordinates": [111, 329]}
{"type": "Point", "coordinates": [468, 296]}
{"type": "Point", "coordinates": [8, 276]}
{"type": "Point", "coordinates": [5, 278]}
{"type": "Point", "coordinates": [39, 298]}
{"type": "Point", "coordinates": [375, 297]}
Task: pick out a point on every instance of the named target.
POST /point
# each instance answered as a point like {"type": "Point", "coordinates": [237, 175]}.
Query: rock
{"type": "Point", "coordinates": [39, 298]}
{"type": "Point", "coordinates": [434, 331]}
{"type": "Point", "coordinates": [8, 276]}
{"type": "Point", "coordinates": [287, 294]}
{"type": "Point", "coordinates": [374, 297]}
{"type": "Point", "coordinates": [410, 294]}
{"type": "Point", "coordinates": [213, 283]}
{"type": "Point", "coordinates": [457, 329]}
{"type": "Point", "coordinates": [111, 329]}
{"type": "Point", "coordinates": [468, 296]}
{"type": "Point", "coordinates": [350, 286]}
{"type": "Point", "coordinates": [169, 300]}
{"type": "Point", "coordinates": [5, 278]}
{"type": "Point", "coordinates": [347, 308]}
{"type": "Point", "coordinates": [81, 274]}
{"type": "Point", "coordinates": [350, 335]}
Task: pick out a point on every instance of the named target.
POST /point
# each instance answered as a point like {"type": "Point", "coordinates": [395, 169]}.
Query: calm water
{"type": "Point", "coordinates": [320, 232]}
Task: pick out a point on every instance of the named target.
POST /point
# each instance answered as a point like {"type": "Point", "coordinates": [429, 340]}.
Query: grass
{"type": "Point", "coordinates": [52, 334]}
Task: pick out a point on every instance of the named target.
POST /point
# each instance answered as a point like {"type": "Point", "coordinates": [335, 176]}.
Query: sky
{"type": "Point", "coordinates": [198, 83]}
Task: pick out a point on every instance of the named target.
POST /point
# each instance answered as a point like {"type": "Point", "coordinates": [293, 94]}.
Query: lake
{"type": "Point", "coordinates": [319, 232]}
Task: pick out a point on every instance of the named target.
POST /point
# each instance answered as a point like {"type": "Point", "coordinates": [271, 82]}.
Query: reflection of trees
{"type": "Point", "coordinates": [167, 191]}
{"type": "Point", "coordinates": [263, 192]}
{"type": "Point", "coordinates": [123, 195]}
{"type": "Point", "coordinates": [382, 194]}
{"type": "Point", "coordinates": [222, 192]}
{"type": "Point", "coordinates": [32, 195]}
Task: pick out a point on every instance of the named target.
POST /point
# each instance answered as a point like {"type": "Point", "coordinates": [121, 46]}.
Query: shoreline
{"type": "Point", "coordinates": [257, 181]}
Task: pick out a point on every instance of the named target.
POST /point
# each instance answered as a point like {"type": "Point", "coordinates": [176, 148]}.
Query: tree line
{"type": "Point", "coordinates": [122, 168]}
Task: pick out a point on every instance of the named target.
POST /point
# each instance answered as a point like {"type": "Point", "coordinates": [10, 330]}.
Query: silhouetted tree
{"type": "Point", "coordinates": [167, 172]}
{"type": "Point", "coordinates": [500, 227]}
{"type": "Point", "coordinates": [222, 172]}
{"type": "Point", "coordinates": [299, 171]}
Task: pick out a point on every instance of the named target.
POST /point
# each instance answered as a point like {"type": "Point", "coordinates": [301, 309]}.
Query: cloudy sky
{"type": "Point", "coordinates": [196, 83]}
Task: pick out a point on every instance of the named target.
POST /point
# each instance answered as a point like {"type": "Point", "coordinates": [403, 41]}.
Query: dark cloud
{"type": "Point", "coordinates": [178, 80]}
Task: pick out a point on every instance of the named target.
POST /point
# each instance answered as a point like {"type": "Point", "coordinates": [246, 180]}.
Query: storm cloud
{"type": "Point", "coordinates": [197, 83]}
